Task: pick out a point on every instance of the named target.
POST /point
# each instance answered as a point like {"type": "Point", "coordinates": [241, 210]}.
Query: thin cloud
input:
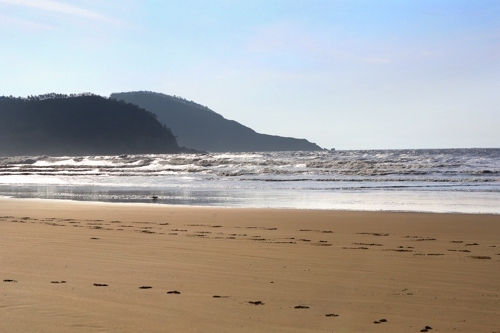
{"type": "Point", "coordinates": [59, 7]}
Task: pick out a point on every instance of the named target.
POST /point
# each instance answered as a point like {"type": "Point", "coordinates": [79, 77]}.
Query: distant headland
{"type": "Point", "coordinates": [126, 123]}
{"type": "Point", "coordinates": [198, 127]}
{"type": "Point", "coordinates": [84, 124]}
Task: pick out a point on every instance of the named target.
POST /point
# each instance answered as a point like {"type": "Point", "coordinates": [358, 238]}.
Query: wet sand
{"type": "Point", "coordinates": [86, 267]}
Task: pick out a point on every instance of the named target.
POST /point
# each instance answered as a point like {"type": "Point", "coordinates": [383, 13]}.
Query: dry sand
{"type": "Point", "coordinates": [347, 270]}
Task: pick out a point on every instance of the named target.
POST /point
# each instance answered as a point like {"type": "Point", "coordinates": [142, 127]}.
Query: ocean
{"type": "Point", "coordinates": [423, 180]}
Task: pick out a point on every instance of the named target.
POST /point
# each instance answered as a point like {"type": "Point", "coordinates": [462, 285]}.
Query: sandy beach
{"type": "Point", "coordinates": [95, 267]}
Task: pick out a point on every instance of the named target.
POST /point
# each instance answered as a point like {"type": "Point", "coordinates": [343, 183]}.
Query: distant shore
{"type": "Point", "coordinates": [89, 267]}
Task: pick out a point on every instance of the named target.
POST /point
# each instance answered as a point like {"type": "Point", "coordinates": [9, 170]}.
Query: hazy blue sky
{"type": "Point", "coordinates": [345, 74]}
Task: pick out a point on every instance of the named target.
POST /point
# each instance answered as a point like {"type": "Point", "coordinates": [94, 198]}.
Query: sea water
{"type": "Point", "coordinates": [427, 180]}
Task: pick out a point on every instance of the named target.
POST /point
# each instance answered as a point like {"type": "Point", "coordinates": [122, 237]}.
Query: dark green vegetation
{"type": "Point", "coordinates": [80, 125]}
{"type": "Point", "coordinates": [198, 127]}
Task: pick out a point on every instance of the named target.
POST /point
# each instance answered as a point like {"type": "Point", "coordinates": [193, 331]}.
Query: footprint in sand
{"type": "Point", "coordinates": [355, 248]}
{"type": "Point", "coordinates": [373, 233]}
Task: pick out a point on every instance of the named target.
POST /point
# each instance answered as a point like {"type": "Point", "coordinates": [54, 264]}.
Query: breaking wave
{"type": "Point", "coordinates": [447, 165]}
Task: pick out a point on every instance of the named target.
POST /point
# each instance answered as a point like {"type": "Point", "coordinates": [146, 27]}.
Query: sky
{"type": "Point", "coordinates": [349, 74]}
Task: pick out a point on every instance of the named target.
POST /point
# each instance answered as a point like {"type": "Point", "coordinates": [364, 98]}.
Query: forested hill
{"type": "Point", "coordinates": [80, 125]}
{"type": "Point", "coordinates": [198, 127]}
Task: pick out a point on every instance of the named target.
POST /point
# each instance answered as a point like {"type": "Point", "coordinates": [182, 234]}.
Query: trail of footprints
{"type": "Point", "coordinates": [258, 302]}
{"type": "Point", "coordinates": [367, 240]}
{"type": "Point", "coordinates": [176, 292]}
{"type": "Point", "coordinates": [163, 229]}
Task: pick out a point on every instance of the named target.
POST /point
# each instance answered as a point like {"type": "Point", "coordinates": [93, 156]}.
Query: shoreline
{"type": "Point", "coordinates": [85, 267]}
{"type": "Point", "coordinates": [153, 204]}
